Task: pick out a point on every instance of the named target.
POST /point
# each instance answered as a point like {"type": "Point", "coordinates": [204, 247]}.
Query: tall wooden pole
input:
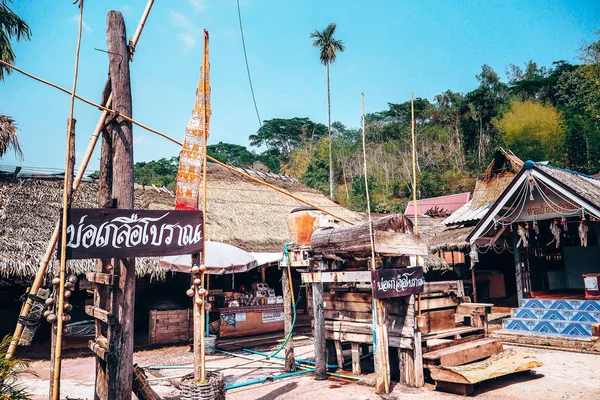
{"type": "Point", "coordinates": [288, 305]}
{"type": "Point", "coordinates": [120, 346]}
{"type": "Point", "coordinates": [381, 356]}
{"type": "Point", "coordinates": [67, 191]}
{"type": "Point", "coordinates": [414, 181]}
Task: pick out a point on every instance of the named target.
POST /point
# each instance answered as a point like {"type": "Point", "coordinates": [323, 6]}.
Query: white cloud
{"type": "Point", "coordinates": [198, 5]}
{"type": "Point", "coordinates": [139, 139]}
{"type": "Point", "coordinates": [84, 25]}
{"type": "Point", "coordinates": [188, 32]}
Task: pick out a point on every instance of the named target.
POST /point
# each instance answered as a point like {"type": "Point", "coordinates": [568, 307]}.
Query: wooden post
{"type": "Point", "coordinates": [518, 270]}
{"type": "Point", "coordinates": [290, 361]}
{"type": "Point", "coordinates": [120, 346]}
{"type": "Point", "coordinates": [69, 183]}
{"type": "Point", "coordinates": [380, 339]}
{"type": "Point", "coordinates": [474, 282]}
{"type": "Point", "coordinates": [319, 332]}
{"type": "Point", "coordinates": [102, 294]}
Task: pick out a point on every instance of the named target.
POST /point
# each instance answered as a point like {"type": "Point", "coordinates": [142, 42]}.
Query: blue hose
{"type": "Point", "coordinates": [298, 360]}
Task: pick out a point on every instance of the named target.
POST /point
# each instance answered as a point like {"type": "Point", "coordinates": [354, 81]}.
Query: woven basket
{"type": "Point", "coordinates": [213, 390]}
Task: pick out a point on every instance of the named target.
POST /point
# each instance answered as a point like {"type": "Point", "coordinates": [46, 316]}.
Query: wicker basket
{"type": "Point", "coordinates": [213, 390]}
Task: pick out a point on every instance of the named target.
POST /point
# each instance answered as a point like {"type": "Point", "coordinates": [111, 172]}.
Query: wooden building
{"type": "Point", "coordinates": [546, 220]}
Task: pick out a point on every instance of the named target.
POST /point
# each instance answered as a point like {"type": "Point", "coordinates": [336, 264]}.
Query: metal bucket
{"type": "Point", "coordinates": [302, 222]}
{"type": "Point", "coordinates": [209, 344]}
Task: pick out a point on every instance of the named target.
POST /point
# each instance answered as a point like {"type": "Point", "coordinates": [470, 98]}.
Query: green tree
{"type": "Point", "coordinates": [233, 154]}
{"type": "Point", "coordinates": [328, 48]}
{"type": "Point", "coordinates": [11, 26]}
{"type": "Point", "coordinates": [533, 131]}
{"type": "Point", "coordinates": [282, 136]}
{"type": "Point", "coordinates": [161, 172]}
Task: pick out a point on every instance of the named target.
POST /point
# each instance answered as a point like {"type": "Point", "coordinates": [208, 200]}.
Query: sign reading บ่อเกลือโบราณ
{"type": "Point", "coordinates": [397, 282]}
{"type": "Point", "coordinates": [118, 233]}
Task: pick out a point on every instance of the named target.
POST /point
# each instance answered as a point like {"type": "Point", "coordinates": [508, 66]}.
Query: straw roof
{"type": "Point", "coordinates": [488, 187]}
{"type": "Point", "coordinates": [239, 212]}
{"type": "Point", "coordinates": [247, 214]}
{"type": "Point", "coordinates": [29, 209]}
{"type": "Point", "coordinates": [450, 239]}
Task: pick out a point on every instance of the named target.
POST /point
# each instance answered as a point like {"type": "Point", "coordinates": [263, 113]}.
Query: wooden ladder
{"type": "Point", "coordinates": [102, 311]}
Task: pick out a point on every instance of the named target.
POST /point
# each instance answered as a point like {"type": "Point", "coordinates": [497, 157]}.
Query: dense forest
{"type": "Point", "coordinates": [543, 113]}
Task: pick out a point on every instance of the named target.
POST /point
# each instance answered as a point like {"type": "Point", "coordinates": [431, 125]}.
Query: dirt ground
{"type": "Point", "coordinates": [564, 375]}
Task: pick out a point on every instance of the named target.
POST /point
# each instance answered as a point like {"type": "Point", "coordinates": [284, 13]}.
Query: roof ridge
{"type": "Point", "coordinates": [538, 164]}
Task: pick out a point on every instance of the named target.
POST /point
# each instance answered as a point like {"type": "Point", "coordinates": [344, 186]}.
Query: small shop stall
{"type": "Point", "coordinates": [548, 219]}
{"type": "Point", "coordinates": [244, 298]}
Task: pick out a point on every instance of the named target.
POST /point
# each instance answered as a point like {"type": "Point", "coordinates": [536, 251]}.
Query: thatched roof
{"type": "Point", "coordinates": [450, 239]}
{"type": "Point", "coordinates": [488, 187]}
{"type": "Point", "coordinates": [239, 212]}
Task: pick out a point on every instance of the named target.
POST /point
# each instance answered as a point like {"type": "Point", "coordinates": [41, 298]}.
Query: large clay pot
{"type": "Point", "coordinates": [301, 224]}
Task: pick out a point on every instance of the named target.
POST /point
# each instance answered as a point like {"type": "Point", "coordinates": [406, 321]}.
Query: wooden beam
{"type": "Point", "coordinates": [355, 359]}
{"type": "Point", "coordinates": [330, 277]}
{"type": "Point", "coordinates": [100, 278]}
{"type": "Point", "coordinates": [339, 352]}
{"type": "Point", "coordinates": [98, 350]}
{"type": "Point", "coordinates": [319, 333]}
{"type": "Point", "coordinates": [102, 315]}
{"type": "Point", "coordinates": [120, 369]}
{"type": "Point", "coordinates": [349, 337]}
{"type": "Point", "coordinates": [290, 362]}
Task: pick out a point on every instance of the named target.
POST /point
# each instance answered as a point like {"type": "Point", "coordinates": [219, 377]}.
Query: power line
{"type": "Point", "coordinates": [247, 66]}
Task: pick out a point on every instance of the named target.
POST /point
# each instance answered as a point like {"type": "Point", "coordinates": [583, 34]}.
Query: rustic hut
{"type": "Point", "coordinates": [240, 212]}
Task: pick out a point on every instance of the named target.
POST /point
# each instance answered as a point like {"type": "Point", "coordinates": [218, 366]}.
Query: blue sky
{"type": "Point", "coordinates": [392, 48]}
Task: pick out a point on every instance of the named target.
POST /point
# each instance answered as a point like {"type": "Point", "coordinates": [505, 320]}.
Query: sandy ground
{"type": "Point", "coordinates": [564, 375]}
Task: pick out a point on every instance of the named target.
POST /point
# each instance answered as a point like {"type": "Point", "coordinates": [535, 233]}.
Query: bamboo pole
{"type": "Point", "coordinates": [106, 109]}
{"type": "Point", "coordinates": [205, 68]}
{"type": "Point", "coordinates": [65, 213]}
{"type": "Point", "coordinates": [381, 353]}
{"type": "Point", "coordinates": [39, 278]}
{"type": "Point", "coordinates": [414, 181]}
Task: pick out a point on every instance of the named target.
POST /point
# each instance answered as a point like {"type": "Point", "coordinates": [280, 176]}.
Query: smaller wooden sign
{"type": "Point", "coordinates": [397, 282]}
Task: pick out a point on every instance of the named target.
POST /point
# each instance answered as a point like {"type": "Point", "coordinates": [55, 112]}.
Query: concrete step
{"type": "Point", "coordinates": [556, 314]}
{"type": "Point", "coordinates": [571, 328]}
{"type": "Point", "coordinates": [562, 304]}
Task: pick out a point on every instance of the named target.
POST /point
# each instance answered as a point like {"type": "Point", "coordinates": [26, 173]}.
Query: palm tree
{"type": "Point", "coordinates": [11, 26]}
{"type": "Point", "coordinates": [328, 46]}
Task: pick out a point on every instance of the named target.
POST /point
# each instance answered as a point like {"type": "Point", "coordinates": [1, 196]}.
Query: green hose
{"type": "Point", "coordinates": [289, 335]}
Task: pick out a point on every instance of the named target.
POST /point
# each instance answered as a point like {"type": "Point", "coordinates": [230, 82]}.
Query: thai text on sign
{"type": "Point", "coordinates": [108, 233]}
{"type": "Point", "coordinates": [397, 282]}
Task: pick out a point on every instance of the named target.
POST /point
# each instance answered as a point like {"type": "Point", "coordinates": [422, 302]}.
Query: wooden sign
{"type": "Point", "coordinates": [397, 282]}
{"type": "Point", "coordinates": [118, 233]}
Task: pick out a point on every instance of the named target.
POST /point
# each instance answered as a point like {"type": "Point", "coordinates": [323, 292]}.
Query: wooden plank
{"type": "Point", "coordinates": [347, 306]}
{"type": "Point", "coordinates": [507, 362]}
{"type": "Point", "coordinates": [400, 342]}
{"type": "Point", "coordinates": [451, 333]}
{"type": "Point", "coordinates": [418, 354]}
{"type": "Point", "coordinates": [452, 342]}
{"type": "Point", "coordinates": [463, 353]}
{"type": "Point", "coordinates": [395, 243]}
{"type": "Point", "coordinates": [349, 337]}
{"type": "Point", "coordinates": [339, 353]}
{"type": "Point", "coordinates": [436, 321]}
{"type": "Point", "coordinates": [361, 297]}
{"type": "Point", "coordinates": [437, 303]}
{"type": "Point", "coordinates": [344, 315]}
{"type": "Point", "coordinates": [407, 368]}
{"type": "Point", "coordinates": [100, 278]}
{"type": "Point", "coordinates": [442, 287]}
{"type": "Point", "coordinates": [355, 359]}
{"type": "Point", "coordinates": [98, 350]}
{"type": "Point", "coordinates": [100, 314]}
{"type": "Point", "coordinates": [319, 333]}
{"type": "Point", "coordinates": [346, 326]}
{"type": "Point", "coordinates": [331, 277]}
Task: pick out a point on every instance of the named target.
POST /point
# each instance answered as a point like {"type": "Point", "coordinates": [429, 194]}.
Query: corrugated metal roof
{"type": "Point", "coordinates": [466, 214]}
{"type": "Point", "coordinates": [447, 203]}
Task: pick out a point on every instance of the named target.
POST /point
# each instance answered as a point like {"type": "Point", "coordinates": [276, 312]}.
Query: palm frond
{"type": "Point", "coordinates": [10, 371]}
{"type": "Point", "coordinates": [8, 136]}
{"type": "Point", "coordinates": [329, 46]}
